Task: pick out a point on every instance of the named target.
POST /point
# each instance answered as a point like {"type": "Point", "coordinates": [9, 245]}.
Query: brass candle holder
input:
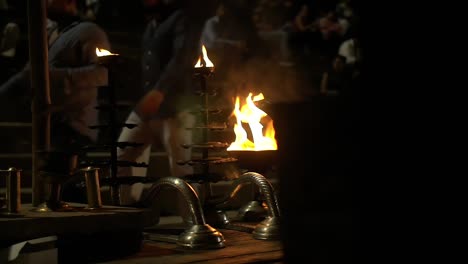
{"type": "Point", "coordinates": [13, 193]}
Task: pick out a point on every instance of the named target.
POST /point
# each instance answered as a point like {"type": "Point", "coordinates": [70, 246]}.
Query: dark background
{"type": "Point", "coordinates": [319, 137]}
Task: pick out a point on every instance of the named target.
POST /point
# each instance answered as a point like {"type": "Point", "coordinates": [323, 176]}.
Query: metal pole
{"type": "Point", "coordinates": [38, 57]}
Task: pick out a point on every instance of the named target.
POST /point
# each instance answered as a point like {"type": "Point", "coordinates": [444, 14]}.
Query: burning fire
{"type": "Point", "coordinates": [103, 52]}
{"type": "Point", "coordinates": [207, 61]}
{"type": "Point", "coordinates": [251, 114]}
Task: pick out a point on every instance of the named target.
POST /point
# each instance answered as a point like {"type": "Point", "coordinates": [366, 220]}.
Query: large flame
{"type": "Point", "coordinates": [207, 63]}
{"type": "Point", "coordinates": [103, 52]}
{"type": "Point", "coordinates": [251, 114]}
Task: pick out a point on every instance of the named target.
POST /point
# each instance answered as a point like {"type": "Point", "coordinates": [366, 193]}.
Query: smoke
{"type": "Point", "coordinates": [278, 81]}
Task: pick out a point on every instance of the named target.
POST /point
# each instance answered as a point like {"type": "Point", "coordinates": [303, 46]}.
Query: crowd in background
{"type": "Point", "coordinates": [317, 40]}
{"type": "Point", "coordinates": [307, 48]}
{"type": "Point", "coordinates": [321, 38]}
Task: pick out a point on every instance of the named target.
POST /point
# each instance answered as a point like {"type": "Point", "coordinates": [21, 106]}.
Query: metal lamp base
{"type": "Point", "coordinates": [268, 229]}
{"type": "Point", "coordinates": [53, 207]}
{"type": "Point", "coordinates": [201, 237]}
{"type": "Point", "coordinates": [6, 214]}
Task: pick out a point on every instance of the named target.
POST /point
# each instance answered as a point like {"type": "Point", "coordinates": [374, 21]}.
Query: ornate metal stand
{"type": "Point", "coordinates": [199, 235]}
{"type": "Point", "coordinates": [13, 193]}
{"type": "Point", "coordinates": [268, 228]}
{"type": "Point", "coordinates": [112, 127]}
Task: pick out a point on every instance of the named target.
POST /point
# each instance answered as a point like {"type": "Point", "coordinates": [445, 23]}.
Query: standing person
{"type": "Point", "coordinates": [337, 78]}
{"type": "Point", "coordinates": [170, 51]}
{"type": "Point", "coordinates": [9, 39]}
{"type": "Point", "coordinates": [74, 80]}
{"type": "Point", "coordinates": [231, 36]}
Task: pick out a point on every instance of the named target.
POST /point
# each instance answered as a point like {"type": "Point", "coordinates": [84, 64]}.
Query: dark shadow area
{"type": "Point", "coordinates": [307, 59]}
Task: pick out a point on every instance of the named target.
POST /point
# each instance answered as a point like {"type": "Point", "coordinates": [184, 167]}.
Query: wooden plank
{"type": "Point", "coordinates": [262, 257]}
{"type": "Point", "coordinates": [34, 224]}
{"type": "Point", "coordinates": [240, 248]}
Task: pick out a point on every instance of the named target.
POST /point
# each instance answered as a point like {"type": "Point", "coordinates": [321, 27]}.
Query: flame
{"type": "Point", "coordinates": [103, 52]}
{"type": "Point", "coordinates": [207, 63]}
{"type": "Point", "coordinates": [251, 114]}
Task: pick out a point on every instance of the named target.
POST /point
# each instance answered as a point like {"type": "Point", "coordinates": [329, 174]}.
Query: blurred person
{"type": "Point", "coordinates": [74, 80]}
{"type": "Point", "coordinates": [302, 32]}
{"type": "Point", "coordinates": [330, 25]}
{"type": "Point", "coordinates": [333, 31]}
{"type": "Point", "coordinates": [91, 9]}
{"type": "Point", "coordinates": [338, 78]}
{"type": "Point", "coordinates": [10, 34]}
{"type": "Point", "coordinates": [351, 50]}
{"type": "Point", "coordinates": [232, 40]}
{"type": "Point", "coordinates": [274, 22]}
{"type": "Point", "coordinates": [170, 51]}
{"type": "Point", "coordinates": [9, 39]}
{"type": "Point", "coordinates": [345, 9]}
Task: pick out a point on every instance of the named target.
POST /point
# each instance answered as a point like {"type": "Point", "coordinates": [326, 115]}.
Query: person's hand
{"type": "Point", "coordinates": [11, 34]}
{"type": "Point", "coordinates": [149, 105]}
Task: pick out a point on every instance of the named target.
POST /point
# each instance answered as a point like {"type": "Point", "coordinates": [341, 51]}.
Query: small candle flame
{"type": "Point", "coordinates": [104, 52]}
{"type": "Point", "coordinates": [207, 61]}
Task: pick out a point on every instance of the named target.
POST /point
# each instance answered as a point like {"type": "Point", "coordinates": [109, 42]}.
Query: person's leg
{"type": "Point", "coordinates": [130, 194]}
{"type": "Point", "coordinates": [175, 133]}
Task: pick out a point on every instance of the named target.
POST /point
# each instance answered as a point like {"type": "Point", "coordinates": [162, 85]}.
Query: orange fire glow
{"type": "Point", "coordinates": [263, 139]}
{"type": "Point", "coordinates": [103, 52]}
{"type": "Point", "coordinates": [207, 63]}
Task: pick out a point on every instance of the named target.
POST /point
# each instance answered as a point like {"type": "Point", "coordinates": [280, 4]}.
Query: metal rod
{"type": "Point", "coordinates": [206, 166]}
{"type": "Point", "coordinates": [205, 121]}
{"type": "Point", "coordinates": [188, 193]}
{"type": "Point", "coordinates": [38, 57]}
{"type": "Point", "coordinates": [114, 187]}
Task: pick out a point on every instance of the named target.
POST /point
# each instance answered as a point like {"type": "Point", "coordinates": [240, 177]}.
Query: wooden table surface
{"type": "Point", "coordinates": [240, 247]}
{"type": "Point", "coordinates": [31, 225]}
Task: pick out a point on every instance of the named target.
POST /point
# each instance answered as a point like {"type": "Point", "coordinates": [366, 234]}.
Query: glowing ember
{"type": "Point", "coordinates": [263, 139]}
{"type": "Point", "coordinates": [103, 52]}
{"type": "Point", "coordinates": [207, 61]}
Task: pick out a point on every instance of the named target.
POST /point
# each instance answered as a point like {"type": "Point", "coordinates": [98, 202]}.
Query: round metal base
{"type": "Point", "coordinates": [201, 237]}
{"type": "Point", "coordinates": [53, 207]}
{"type": "Point", "coordinates": [268, 229]}
{"type": "Point", "coordinates": [253, 211]}
{"type": "Point", "coordinates": [92, 208]}
{"type": "Point", "coordinates": [10, 215]}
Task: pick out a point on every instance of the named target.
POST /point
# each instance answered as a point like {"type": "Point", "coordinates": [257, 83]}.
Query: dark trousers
{"type": "Point", "coordinates": [67, 144]}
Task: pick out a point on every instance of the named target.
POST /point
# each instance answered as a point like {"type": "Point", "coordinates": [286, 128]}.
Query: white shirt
{"type": "Point", "coordinates": [349, 50]}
